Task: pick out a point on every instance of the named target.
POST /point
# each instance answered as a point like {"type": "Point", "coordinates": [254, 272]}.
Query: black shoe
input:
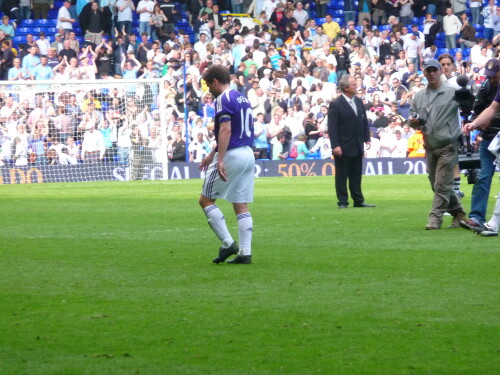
{"type": "Point", "coordinates": [343, 205]}
{"type": "Point", "coordinates": [225, 253]}
{"type": "Point", "coordinates": [241, 259]}
{"type": "Point", "coordinates": [363, 205]}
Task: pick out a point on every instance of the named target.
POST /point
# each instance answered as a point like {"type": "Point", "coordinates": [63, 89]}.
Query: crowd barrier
{"type": "Point", "coordinates": [180, 171]}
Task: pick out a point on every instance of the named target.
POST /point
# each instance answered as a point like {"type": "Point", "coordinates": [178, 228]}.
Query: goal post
{"type": "Point", "coordinates": [86, 130]}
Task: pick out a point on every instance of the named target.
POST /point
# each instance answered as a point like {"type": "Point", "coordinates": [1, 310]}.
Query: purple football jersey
{"type": "Point", "coordinates": [234, 107]}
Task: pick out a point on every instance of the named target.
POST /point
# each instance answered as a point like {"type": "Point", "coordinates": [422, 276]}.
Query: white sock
{"type": "Point", "coordinates": [218, 224]}
{"type": "Point", "coordinates": [495, 219]}
{"type": "Point", "coordinates": [245, 227]}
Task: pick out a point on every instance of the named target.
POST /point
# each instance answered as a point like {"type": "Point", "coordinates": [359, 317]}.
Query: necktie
{"type": "Point", "coordinates": [353, 105]}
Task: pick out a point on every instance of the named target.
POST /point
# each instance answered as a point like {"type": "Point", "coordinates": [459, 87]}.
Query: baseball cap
{"type": "Point", "coordinates": [432, 63]}
{"type": "Point", "coordinates": [491, 68]}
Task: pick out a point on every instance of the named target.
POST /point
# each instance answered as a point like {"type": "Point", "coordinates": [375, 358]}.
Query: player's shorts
{"type": "Point", "coordinates": [240, 164]}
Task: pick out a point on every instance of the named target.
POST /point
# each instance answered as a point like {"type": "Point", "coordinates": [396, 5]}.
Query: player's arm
{"type": "Point", "coordinates": [222, 144]}
{"type": "Point", "coordinates": [484, 117]}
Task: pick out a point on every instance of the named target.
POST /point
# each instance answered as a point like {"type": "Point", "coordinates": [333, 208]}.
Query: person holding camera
{"type": "Point", "coordinates": [481, 190]}
{"type": "Point", "coordinates": [435, 110]}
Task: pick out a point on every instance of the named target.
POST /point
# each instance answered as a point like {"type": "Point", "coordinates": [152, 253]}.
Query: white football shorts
{"type": "Point", "coordinates": [240, 165]}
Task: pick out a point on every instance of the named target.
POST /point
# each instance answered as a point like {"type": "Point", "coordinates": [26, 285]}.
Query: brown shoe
{"type": "Point", "coordinates": [431, 226]}
{"type": "Point", "coordinates": [456, 220]}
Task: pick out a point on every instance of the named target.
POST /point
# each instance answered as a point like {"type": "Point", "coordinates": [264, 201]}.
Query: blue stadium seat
{"type": "Point", "coordinates": [19, 39]}
{"type": "Point", "coordinates": [440, 51]}
{"type": "Point", "coordinates": [23, 30]}
{"type": "Point", "coordinates": [26, 23]}
{"type": "Point", "coordinates": [38, 30]}
{"type": "Point", "coordinates": [340, 21]}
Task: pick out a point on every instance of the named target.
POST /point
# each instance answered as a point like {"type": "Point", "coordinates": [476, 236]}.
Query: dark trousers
{"type": "Point", "coordinates": [40, 11]}
{"type": "Point", "coordinates": [348, 168]}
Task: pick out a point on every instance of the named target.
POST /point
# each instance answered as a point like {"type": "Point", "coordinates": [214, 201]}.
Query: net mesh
{"type": "Point", "coordinates": [85, 131]}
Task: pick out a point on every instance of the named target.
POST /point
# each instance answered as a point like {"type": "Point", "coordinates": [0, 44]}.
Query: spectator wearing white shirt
{"type": "Point", "coordinates": [324, 146]}
{"type": "Point", "coordinates": [300, 14]}
{"type": "Point", "coordinates": [451, 26]}
{"type": "Point", "coordinates": [93, 144]}
{"type": "Point", "coordinates": [43, 44]}
{"type": "Point", "coordinates": [145, 9]}
{"type": "Point", "coordinates": [400, 146]}
{"type": "Point", "coordinates": [412, 46]}
{"type": "Point", "coordinates": [64, 19]}
{"type": "Point", "coordinates": [201, 46]}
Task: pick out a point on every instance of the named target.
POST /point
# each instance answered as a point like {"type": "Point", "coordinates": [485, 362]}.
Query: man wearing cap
{"type": "Point", "coordinates": [481, 190]}
{"type": "Point", "coordinates": [438, 114]}
{"type": "Point", "coordinates": [64, 19]}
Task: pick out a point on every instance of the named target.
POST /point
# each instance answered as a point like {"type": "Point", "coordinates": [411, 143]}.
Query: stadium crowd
{"type": "Point", "coordinates": [288, 66]}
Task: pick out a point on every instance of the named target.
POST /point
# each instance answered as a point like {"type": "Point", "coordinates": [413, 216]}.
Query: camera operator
{"type": "Point", "coordinates": [481, 190]}
{"type": "Point", "coordinates": [435, 110]}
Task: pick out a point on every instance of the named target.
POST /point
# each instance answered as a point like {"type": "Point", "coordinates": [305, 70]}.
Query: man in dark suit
{"type": "Point", "coordinates": [348, 129]}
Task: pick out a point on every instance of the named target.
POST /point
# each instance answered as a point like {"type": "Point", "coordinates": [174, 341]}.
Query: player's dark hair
{"type": "Point", "coordinates": [446, 56]}
{"type": "Point", "coordinates": [219, 72]}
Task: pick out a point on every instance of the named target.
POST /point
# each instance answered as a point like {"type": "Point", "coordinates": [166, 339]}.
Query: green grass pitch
{"type": "Point", "coordinates": [117, 278]}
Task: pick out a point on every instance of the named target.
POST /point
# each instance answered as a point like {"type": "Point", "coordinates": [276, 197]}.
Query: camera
{"type": "Point", "coordinates": [414, 116]}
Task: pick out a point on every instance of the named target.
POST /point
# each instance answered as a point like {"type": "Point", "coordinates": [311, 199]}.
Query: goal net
{"type": "Point", "coordinates": [85, 130]}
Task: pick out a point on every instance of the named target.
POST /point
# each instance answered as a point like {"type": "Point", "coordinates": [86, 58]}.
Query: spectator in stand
{"type": "Point", "coordinates": [92, 22]}
{"type": "Point", "coordinates": [64, 19]}
{"type": "Point", "coordinates": [104, 53]}
{"type": "Point", "coordinates": [475, 10]}
{"type": "Point", "coordinates": [467, 33]}
{"type": "Point", "coordinates": [93, 148]}
{"type": "Point", "coordinates": [41, 8]}
{"type": "Point", "coordinates": [31, 61]}
{"type": "Point", "coordinates": [17, 73]}
{"type": "Point", "coordinates": [73, 42]}
{"type": "Point", "coordinates": [42, 72]}
{"type": "Point", "coordinates": [6, 60]}
{"type": "Point", "coordinates": [331, 28]}
{"type": "Point", "coordinates": [9, 29]}
{"type": "Point", "coordinates": [43, 44]}
{"type": "Point", "coordinates": [57, 43]}
{"type": "Point", "coordinates": [24, 10]}
{"type": "Point", "coordinates": [157, 22]}
{"type": "Point", "coordinates": [451, 26]}
{"type": "Point", "coordinates": [488, 12]}
{"type": "Point", "coordinates": [194, 7]}
{"type": "Point", "coordinates": [124, 15]}
{"type": "Point", "coordinates": [145, 9]}
{"type": "Point", "coordinates": [67, 51]}
{"type": "Point", "coordinates": [142, 51]}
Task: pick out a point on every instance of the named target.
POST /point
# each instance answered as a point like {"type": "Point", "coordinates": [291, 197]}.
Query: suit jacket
{"type": "Point", "coordinates": [347, 130]}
